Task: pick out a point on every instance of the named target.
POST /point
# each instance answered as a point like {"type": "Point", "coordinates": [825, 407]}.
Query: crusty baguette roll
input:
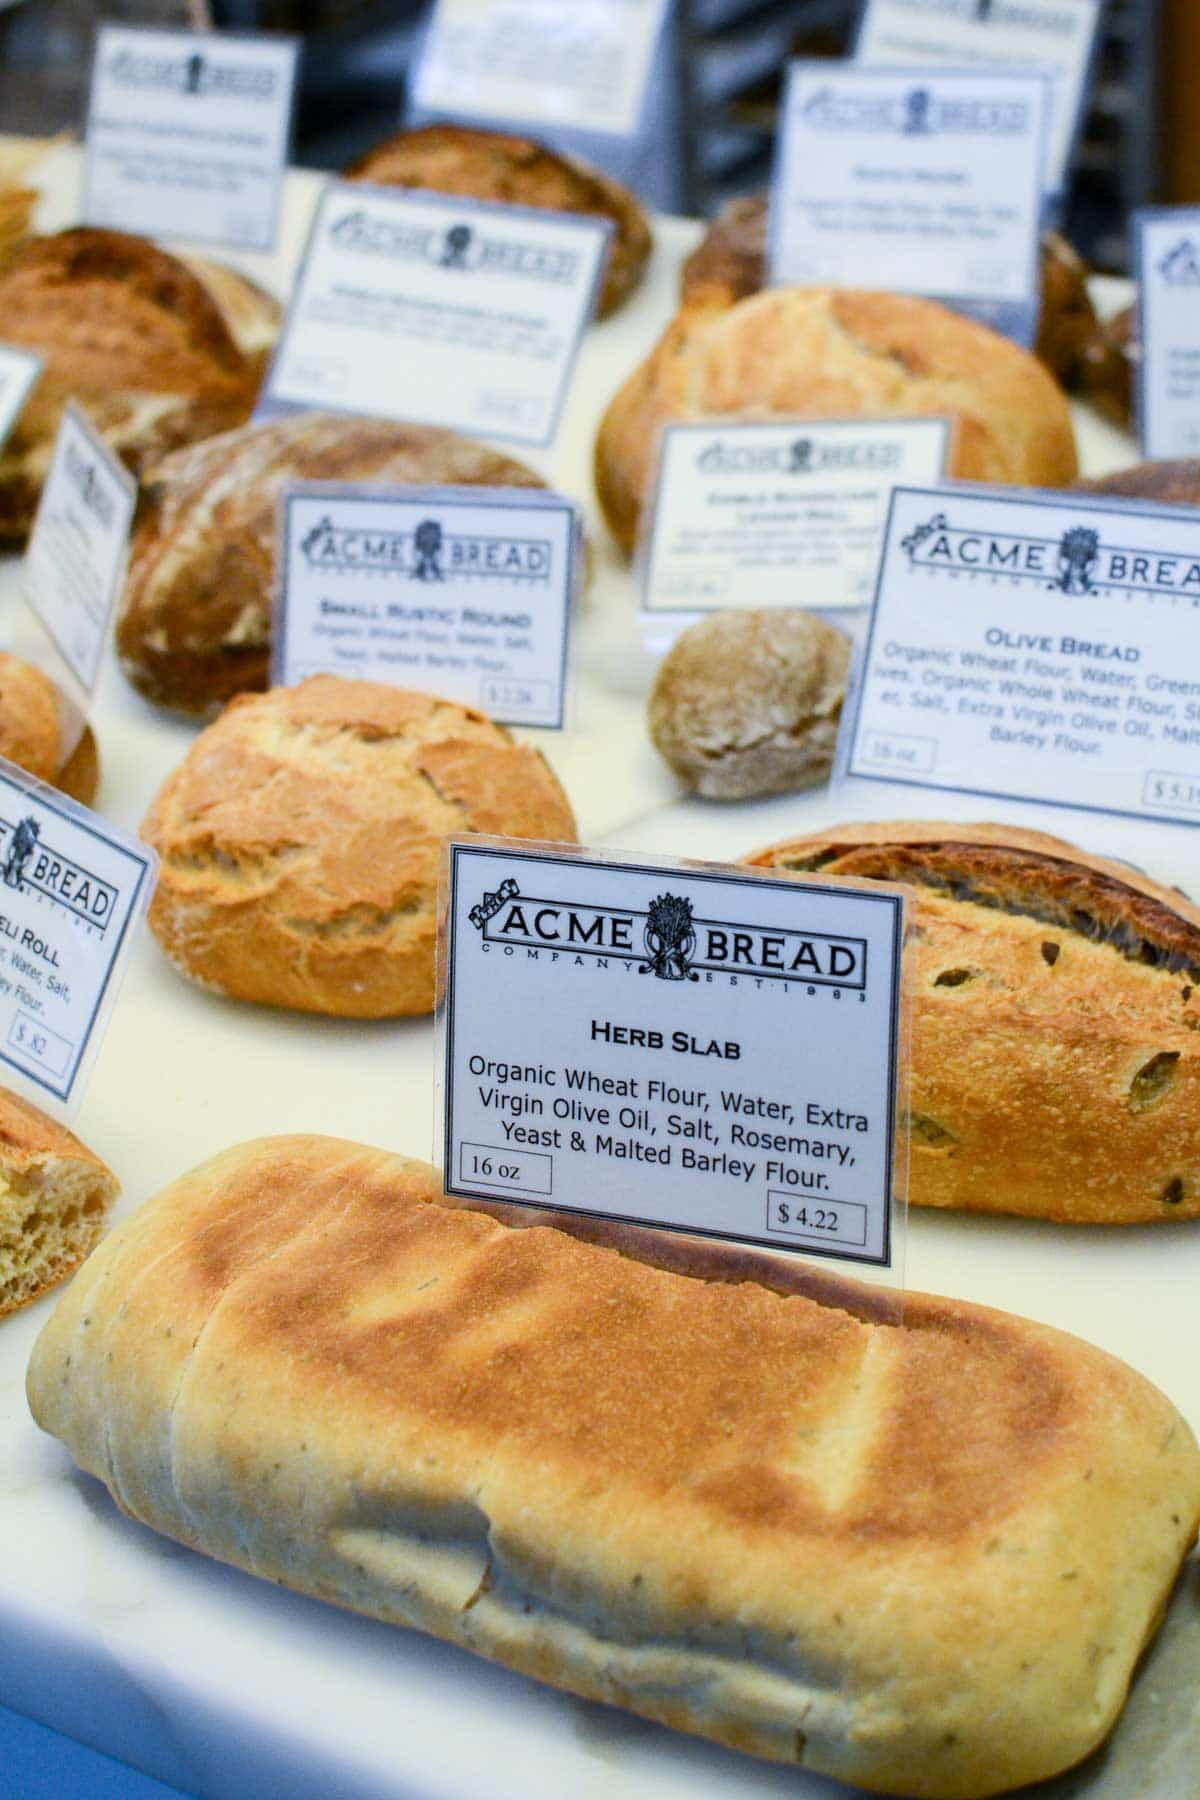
{"type": "Point", "coordinates": [825, 352]}
{"type": "Point", "coordinates": [300, 841]}
{"type": "Point", "coordinates": [1056, 1020]}
{"type": "Point", "coordinates": [924, 1559]}
{"type": "Point", "coordinates": [194, 623]}
{"type": "Point", "coordinates": [55, 1196]}
{"type": "Point", "coordinates": [32, 731]}
{"type": "Point", "coordinates": [467, 161]}
{"type": "Point", "coordinates": [133, 335]}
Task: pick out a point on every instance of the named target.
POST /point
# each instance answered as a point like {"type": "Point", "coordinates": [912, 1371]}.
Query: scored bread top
{"type": "Point", "coordinates": [821, 352]}
{"type": "Point", "coordinates": [301, 836]}
{"type": "Point", "coordinates": [470, 162]}
{"type": "Point", "coordinates": [921, 1557]}
{"type": "Point", "coordinates": [194, 622]}
{"type": "Point", "coordinates": [133, 335]}
{"type": "Point", "coordinates": [1056, 1039]}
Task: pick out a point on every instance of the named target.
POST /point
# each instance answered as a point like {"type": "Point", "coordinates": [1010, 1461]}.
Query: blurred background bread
{"type": "Point", "coordinates": [517, 171]}
{"type": "Point", "coordinates": [55, 1196]}
{"type": "Point", "coordinates": [301, 839]}
{"type": "Point", "coordinates": [34, 727]}
{"type": "Point", "coordinates": [836, 353]}
{"type": "Point", "coordinates": [194, 623]}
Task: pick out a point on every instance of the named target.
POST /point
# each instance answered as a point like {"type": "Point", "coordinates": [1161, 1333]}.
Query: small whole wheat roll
{"type": "Point", "coordinates": [55, 1196]}
{"type": "Point", "coordinates": [300, 841]}
{"type": "Point", "coordinates": [31, 731]}
{"type": "Point", "coordinates": [749, 703]}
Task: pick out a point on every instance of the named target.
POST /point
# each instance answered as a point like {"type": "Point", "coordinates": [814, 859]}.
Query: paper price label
{"type": "Point", "coordinates": [922, 182]}
{"type": "Point", "coordinates": [1168, 267]}
{"type": "Point", "coordinates": [445, 312]}
{"type": "Point", "coordinates": [463, 592]}
{"type": "Point", "coordinates": [582, 67]}
{"type": "Point", "coordinates": [1055, 37]}
{"type": "Point", "coordinates": [76, 557]}
{"type": "Point", "coordinates": [779, 515]}
{"type": "Point", "coordinates": [1036, 649]}
{"type": "Point", "coordinates": [72, 889]}
{"type": "Point", "coordinates": [187, 134]}
{"type": "Point", "coordinates": [19, 370]}
{"type": "Point", "coordinates": [667, 1045]}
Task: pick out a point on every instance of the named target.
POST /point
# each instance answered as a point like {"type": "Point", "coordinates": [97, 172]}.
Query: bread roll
{"type": "Point", "coordinates": [1055, 1049]}
{"type": "Point", "coordinates": [301, 838]}
{"type": "Point", "coordinates": [836, 353]}
{"type": "Point", "coordinates": [923, 1559]}
{"type": "Point", "coordinates": [32, 731]}
{"type": "Point", "coordinates": [194, 623]}
{"type": "Point", "coordinates": [54, 1199]}
{"type": "Point", "coordinates": [517, 171]}
{"type": "Point", "coordinates": [749, 702]}
{"type": "Point", "coordinates": [129, 332]}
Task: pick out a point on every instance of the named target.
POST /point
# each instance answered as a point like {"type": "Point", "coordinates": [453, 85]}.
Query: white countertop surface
{"type": "Point", "coordinates": [225, 1686]}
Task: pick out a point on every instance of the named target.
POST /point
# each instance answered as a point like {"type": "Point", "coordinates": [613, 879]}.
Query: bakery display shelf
{"type": "Point", "coordinates": [225, 1686]}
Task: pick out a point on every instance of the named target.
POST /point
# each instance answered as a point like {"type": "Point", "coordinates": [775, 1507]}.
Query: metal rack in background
{"type": "Point", "coordinates": [729, 55]}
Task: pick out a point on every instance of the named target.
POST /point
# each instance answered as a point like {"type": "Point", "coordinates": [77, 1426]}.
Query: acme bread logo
{"type": "Point", "coordinates": [1013, 13]}
{"type": "Point", "coordinates": [429, 552]}
{"type": "Point", "coordinates": [36, 867]}
{"type": "Point", "coordinates": [1075, 562]}
{"type": "Point", "coordinates": [918, 112]}
{"type": "Point", "coordinates": [802, 456]}
{"type": "Point", "coordinates": [463, 247]}
{"type": "Point", "coordinates": [85, 479]}
{"type": "Point", "coordinates": [1180, 267]}
{"type": "Point", "coordinates": [205, 77]}
{"type": "Point", "coordinates": [666, 940]}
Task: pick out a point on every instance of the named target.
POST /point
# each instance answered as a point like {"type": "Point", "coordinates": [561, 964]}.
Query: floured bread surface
{"type": "Point", "coordinates": [829, 353]}
{"type": "Point", "coordinates": [921, 1558]}
{"type": "Point", "coordinates": [194, 623]}
{"type": "Point", "coordinates": [300, 841]}
{"type": "Point", "coordinates": [129, 332]}
{"type": "Point", "coordinates": [467, 161]}
{"type": "Point", "coordinates": [54, 1199]}
{"type": "Point", "coordinates": [1056, 1020]}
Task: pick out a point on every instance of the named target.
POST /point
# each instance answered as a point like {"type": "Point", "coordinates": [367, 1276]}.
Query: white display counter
{"type": "Point", "coordinates": [226, 1686]}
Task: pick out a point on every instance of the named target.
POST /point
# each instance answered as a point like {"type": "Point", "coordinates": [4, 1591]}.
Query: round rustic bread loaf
{"type": "Point", "coordinates": [55, 1196]}
{"type": "Point", "coordinates": [1176, 482]}
{"type": "Point", "coordinates": [194, 623]}
{"type": "Point", "coordinates": [132, 334]}
{"type": "Point", "coordinates": [31, 731]}
{"type": "Point", "coordinates": [749, 702]}
{"type": "Point", "coordinates": [517, 171]}
{"type": "Point", "coordinates": [836, 353]}
{"type": "Point", "coordinates": [301, 837]}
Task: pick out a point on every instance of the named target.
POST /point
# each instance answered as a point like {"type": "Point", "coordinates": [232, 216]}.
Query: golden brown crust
{"type": "Point", "coordinates": [32, 730]}
{"type": "Point", "coordinates": [79, 776]}
{"type": "Point", "coordinates": [301, 836]}
{"type": "Point", "coordinates": [831, 353]}
{"type": "Point", "coordinates": [132, 334]}
{"type": "Point", "coordinates": [194, 623]}
{"type": "Point", "coordinates": [1056, 1055]}
{"type": "Point", "coordinates": [55, 1195]}
{"type": "Point", "coordinates": [753, 1517]}
{"type": "Point", "coordinates": [252, 315]}
{"type": "Point", "coordinates": [517, 171]}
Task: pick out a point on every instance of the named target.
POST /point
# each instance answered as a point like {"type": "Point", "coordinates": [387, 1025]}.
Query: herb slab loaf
{"type": "Point", "coordinates": [922, 1558]}
{"type": "Point", "coordinates": [834, 353]}
{"type": "Point", "coordinates": [1056, 1020]}
{"type": "Point", "coordinates": [194, 622]}
{"type": "Point", "coordinates": [300, 841]}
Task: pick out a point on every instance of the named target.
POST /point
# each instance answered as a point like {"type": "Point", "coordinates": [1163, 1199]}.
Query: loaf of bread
{"type": "Point", "coordinates": [54, 1199]}
{"type": "Point", "coordinates": [731, 260]}
{"type": "Point", "coordinates": [133, 335]}
{"type": "Point", "coordinates": [836, 353]}
{"type": "Point", "coordinates": [252, 315]}
{"type": "Point", "coordinates": [300, 841]}
{"type": "Point", "coordinates": [194, 623]}
{"type": "Point", "coordinates": [516, 171]}
{"type": "Point", "coordinates": [32, 731]}
{"type": "Point", "coordinates": [748, 703]}
{"type": "Point", "coordinates": [1056, 1013]}
{"type": "Point", "coordinates": [922, 1558]}
{"type": "Point", "coordinates": [1178, 483]}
